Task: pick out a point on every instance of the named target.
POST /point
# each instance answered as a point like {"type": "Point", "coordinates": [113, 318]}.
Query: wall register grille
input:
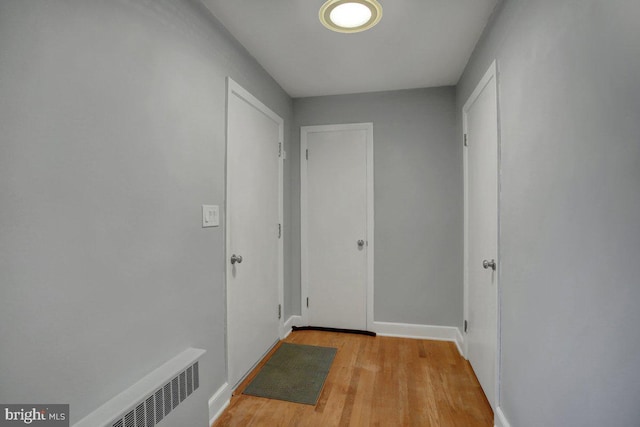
{"type": "Point", "coordinates": [155, 407]}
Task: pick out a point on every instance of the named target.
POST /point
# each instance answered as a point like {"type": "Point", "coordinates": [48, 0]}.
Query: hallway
{"type": "Point", "coordinates": [376, 381]}
{"type": "Point", "coordinates": [119, 266]}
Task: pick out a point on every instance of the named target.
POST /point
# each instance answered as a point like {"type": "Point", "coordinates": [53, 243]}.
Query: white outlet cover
{"type": "Point", "coordinates": [210, 216]}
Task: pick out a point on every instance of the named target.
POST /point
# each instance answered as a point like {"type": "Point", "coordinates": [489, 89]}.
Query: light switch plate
{"type": "Point", "coordinates": [210, 216]}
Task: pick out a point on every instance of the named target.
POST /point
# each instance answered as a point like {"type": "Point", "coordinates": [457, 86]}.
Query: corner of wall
{"type": "Point", "coordinates": [459, 340]}
{"type": "Point", "coordinates": [499, 419]}
{"type": "Point", "coordinates": [219, 402]}
{"type": "Point", "coordinates": [290, 323]}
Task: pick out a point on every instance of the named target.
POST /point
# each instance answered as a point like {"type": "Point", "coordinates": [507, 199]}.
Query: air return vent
{"type": "Point", "coordinates": [157, 395]}
{"type": "Point", "coordinates": [152, 410]}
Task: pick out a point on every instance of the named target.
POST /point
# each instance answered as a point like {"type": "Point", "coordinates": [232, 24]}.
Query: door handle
{"type": "Point", "coordinates": [486, 264]}
{"type": "Point", "coordinates": [236, 258]}
{"type": "Point", "coordinates": [360, 244]}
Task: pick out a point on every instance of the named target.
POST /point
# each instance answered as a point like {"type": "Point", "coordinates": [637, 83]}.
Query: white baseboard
{"type": "Point", "coordinates": [460, 342]}
{"type": "Point", "coordinates": [218, 402]}
{"type": "Point", "coordinates": [292, 321]}
{"type": "Point", "coordinates": [425, 332]}
{"type": "Point", "coordinates": [500, 420]}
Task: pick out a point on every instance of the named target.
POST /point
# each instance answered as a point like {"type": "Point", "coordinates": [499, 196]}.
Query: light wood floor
{"type": "Point", "coordinates": [377, 381]}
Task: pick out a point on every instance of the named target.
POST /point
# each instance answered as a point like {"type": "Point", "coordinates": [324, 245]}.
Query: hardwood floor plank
{"type": "Point", "coordinates": [375, 381]}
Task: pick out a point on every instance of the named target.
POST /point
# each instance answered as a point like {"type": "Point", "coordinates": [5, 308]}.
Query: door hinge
{"type": "Point", "coordinates": [307, 302]}
{"type": "Point", "coordinates": [279, 149]}
{"type": "Point", "coordinates": [279, 311]}
{"type": "Point", "coordinates": [466, 144]}
{"type": "Point", "coordinates": [307, 154]}
{"type": "Point", "coordinates": [279, 231]}
{"type": "Point", "coordinates": [465, 326]}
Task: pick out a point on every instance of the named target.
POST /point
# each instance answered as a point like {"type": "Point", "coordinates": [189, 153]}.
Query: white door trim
{"type": "Point", "coordinates": [304, 131]}
{"type": "Point", "coordinates": [235, 88]}
{"type": "Point", "coordinates": [486, 79]}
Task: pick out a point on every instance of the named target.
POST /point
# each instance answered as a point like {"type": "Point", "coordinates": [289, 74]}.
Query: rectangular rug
{"type": "Point", "coordinates": [295, 373]}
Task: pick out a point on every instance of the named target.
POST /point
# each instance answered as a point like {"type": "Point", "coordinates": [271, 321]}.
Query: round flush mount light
{"type": "Point", "coordinates": [350, 16]}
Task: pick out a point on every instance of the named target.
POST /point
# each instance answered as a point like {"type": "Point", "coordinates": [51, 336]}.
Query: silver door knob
{"type": "Point", "coordinates": [236, 258]}
{"type": "Point", "coordinates": [487, 264]}
{"type": "Point", "coordinates": [360, 243]}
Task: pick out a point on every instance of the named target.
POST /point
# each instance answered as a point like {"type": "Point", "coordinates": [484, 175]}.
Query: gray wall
{"type": "Point", "coordinates": [418, 198]}
{"type": "Point", "coordinates": [570, 208]}
{"type": "Point", "coordinates": [113, 136]}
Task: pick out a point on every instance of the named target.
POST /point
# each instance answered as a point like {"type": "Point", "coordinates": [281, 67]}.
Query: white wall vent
{"type": "Point", "coordinates": [153, 409]}
{"type": "Point", "coordinates": [151, 399]}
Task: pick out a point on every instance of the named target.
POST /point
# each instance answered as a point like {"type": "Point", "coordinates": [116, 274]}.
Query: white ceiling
{"type": "Point", "coordinates": [418, 43]}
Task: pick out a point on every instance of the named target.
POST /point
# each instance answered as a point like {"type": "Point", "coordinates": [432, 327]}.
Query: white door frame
{"type": "Point", "coordinates": [234, 89]}
{"type": "Point", "coordinates": [486, 79]}
{"type": "Point", "coordinates": [304, 131]}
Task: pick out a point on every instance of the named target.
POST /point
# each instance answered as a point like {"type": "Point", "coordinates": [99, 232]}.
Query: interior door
{"type": "Point", "coordinates": [481, 116]}
{"type": "Point", "coordinates": [253, 217]}
{"type": "Point", "coordinates": [336, 225]}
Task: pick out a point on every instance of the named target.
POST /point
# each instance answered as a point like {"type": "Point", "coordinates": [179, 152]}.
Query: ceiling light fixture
{"type": "Point", "coordinates": [350, 16]}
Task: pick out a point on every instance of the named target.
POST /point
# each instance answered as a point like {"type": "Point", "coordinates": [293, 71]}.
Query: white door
{"type": "Point", "coordinates": [337, 242]}
{"type": "Point", "coordinates": [481, 129]}
{"type": "Point", "coordinates": [254, 135]}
